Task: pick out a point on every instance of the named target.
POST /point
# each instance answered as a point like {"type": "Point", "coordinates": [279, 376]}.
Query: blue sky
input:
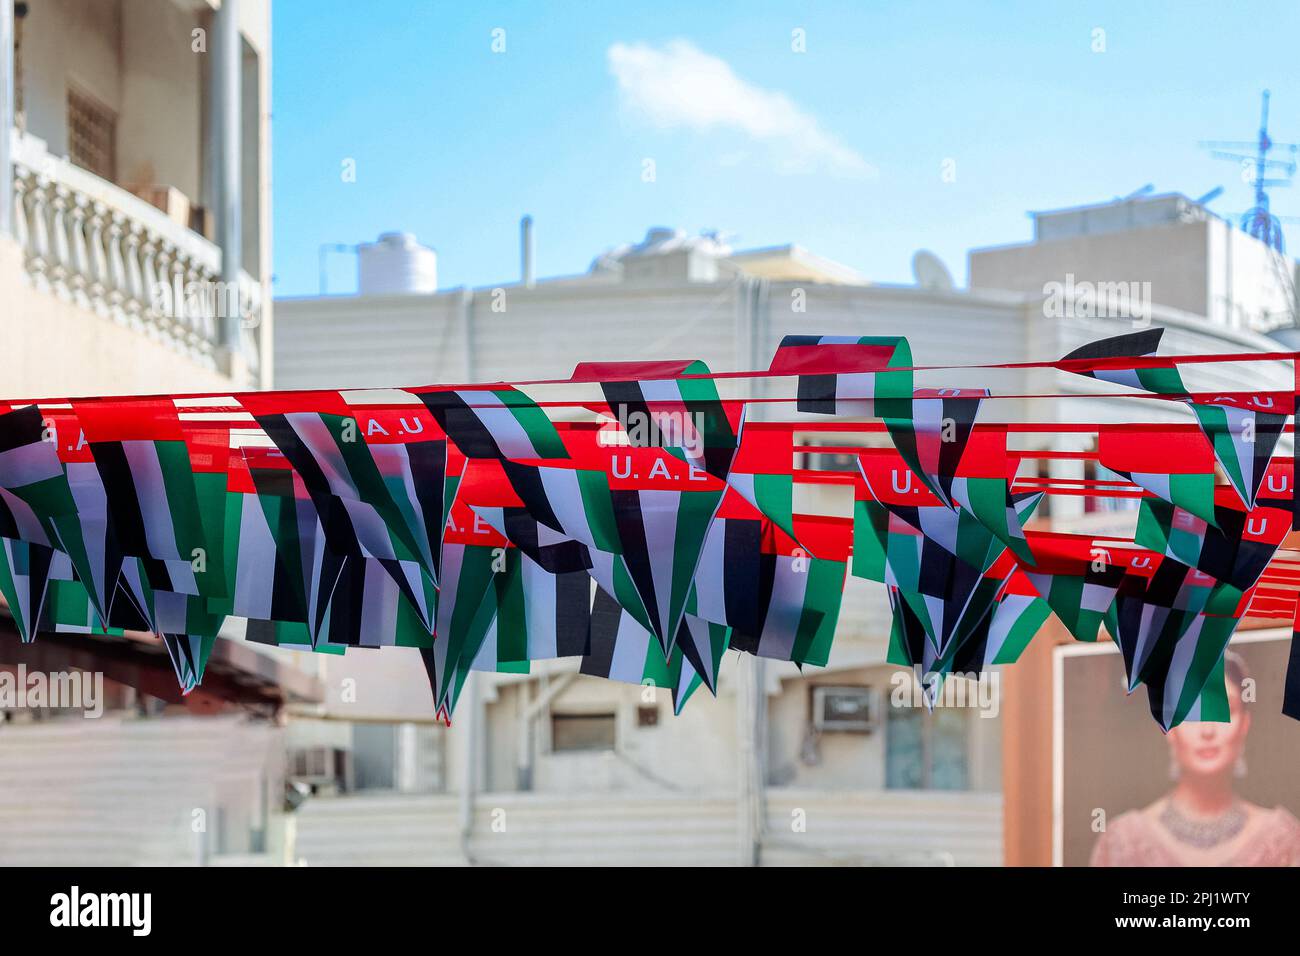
{"type": "Point", "coordinates": [841, 148]}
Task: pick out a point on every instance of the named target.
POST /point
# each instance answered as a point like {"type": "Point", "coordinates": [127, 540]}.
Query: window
{"type": "Point", "coordinates": [831, 460]}
{"type": "Point", "coordinates": [926, 750]}
{"type": "Point", "coordinates": [92, 135]}
{"type": "Point", "coordinates": [577, 732]}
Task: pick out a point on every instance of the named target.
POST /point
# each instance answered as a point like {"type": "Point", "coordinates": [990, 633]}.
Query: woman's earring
{"type": "Point", "coordinates": [1239, 770]}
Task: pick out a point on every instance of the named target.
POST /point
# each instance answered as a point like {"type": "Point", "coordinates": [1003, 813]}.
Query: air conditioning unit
{"type": "Point", "coordinates": [326, 770]}
{"type": "Point", "coordinates": [850, 709]}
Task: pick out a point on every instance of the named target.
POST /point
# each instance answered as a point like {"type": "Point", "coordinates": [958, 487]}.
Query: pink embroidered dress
{"type": "Point", "coordinates": [1141, 838]}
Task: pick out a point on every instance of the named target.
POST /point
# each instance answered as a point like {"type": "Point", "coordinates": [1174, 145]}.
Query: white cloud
{"type": "Point", "coordinates": [679, 86]}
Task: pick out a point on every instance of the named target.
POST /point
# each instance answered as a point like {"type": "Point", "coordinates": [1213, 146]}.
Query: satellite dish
{"type": "Point", "coordinates": [931, 273]}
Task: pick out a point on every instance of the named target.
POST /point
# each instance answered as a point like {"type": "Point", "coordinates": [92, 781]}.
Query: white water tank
{"type": "Point", "coordinates": [396, 264]}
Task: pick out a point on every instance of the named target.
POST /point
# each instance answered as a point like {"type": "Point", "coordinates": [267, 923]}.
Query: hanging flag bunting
{"type": "Point", "coordinates": [642, 519]}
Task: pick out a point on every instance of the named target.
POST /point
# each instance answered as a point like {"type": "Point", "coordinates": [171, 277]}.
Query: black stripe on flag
{"type": "Point", "coordinates": [428, 460]}
{"type": "Point", "coordinates": [347, 604]}
{"type": "Point", "coordinates": [912, 631]}
{"type": "Point", "coordinates": [455, 417]}
{"type": "Point", "coordinates": [606, 615]}
{"type": "Point", "coordinates": [572, 614]}
{"type": "Point", "coordinates": [816, 394]}
{"type": "Point", "coordinates": [279, 430]}
{"type": "Point", "coordinates": [961, 412]}
{"type": "Point", "coordinates": [748, 578]}
{"type": "Point", "coordinates": [1132, 345]}
{"type": "Point", "coordinates": [563, 556]}
{"type": "Point", "coordinates": [626, 399]}
{"type": "Point", "coordinates": [526, 481]}
{"type": "Point", "coordinates": [636, 552]}
{"type": "Point", "coordinates": [24, 426]}
{"type": "Point", "coordinates": [119, 489]}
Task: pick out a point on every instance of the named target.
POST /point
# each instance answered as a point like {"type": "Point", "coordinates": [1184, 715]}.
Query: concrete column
{"type": "Point", "coordinates": [227, 55]}
{"type": "Point", "coordinates": [6, 117]}
{"type": "Point", "coordinates": [751, 671]}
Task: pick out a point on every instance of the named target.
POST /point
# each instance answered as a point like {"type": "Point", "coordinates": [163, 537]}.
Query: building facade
{"type": "Point", "coordinates": [135, 258]}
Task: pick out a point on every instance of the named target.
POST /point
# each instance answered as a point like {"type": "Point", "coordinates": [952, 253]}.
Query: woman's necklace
{"type": "Point", "coordinates": [1203, 834]}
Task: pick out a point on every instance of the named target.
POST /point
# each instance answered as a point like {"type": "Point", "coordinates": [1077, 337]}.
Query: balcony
{"type": "Point", "coordinates": [95, 244]}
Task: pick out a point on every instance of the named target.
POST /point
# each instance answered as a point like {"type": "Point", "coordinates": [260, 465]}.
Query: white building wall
{"type": "Point", "coordinates": [696, 829]}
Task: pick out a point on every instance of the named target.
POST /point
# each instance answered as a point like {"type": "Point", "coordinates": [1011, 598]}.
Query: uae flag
{"type": "Point", "coordinates": [419, 471]}
{"type": "Point", "coordinates": [464, 612]}
{"type": "Point", "coordinates": [1173, 464]}
{"type": "Point", "coordinates": [668, 405]}
{"type": "Point", "coordinates": [498, 423]}
{"type": "Point", "coordinates": [1236, 548]}
{"type": "Point", "coordinates": [982, 486]}
{"type": "Point", "coordinates": [326, 447]}
{"type": "Point", "coordinates": [33, 486]}
{"type": "Point", "coordinates": [1003, 634]}
{"type": "Point", "coordinates": [943, 577]}
{"type": "Point", "coordinates": [998, 634]}
{"type": "Point", "coordinates": [24, 575]}
{"type": "Point", "coordinates": [949, 619]}
{"type": "Point", "coordinates": [779, 604]}
{"type": "Point", "coordinates": [1153, 611]}
{"type": "Point", "coordinates": [281, 566]}
{"type": "Point", "coordinates": [139, 450]}
{"type": "Point", "coordinates": [889, 490]}
{"type": "Point", "coordinates": [550, 550]}
{"type": "Point", "coordinates": [367, 609]}
{"type": "Point", "coordinates": [189, 655]}
{"type": "Point", "coordinates": [932, 438]}
{"type": "Point", "coordinates": [539, 615]}
{"type": "Point", "coordinates": [859, 377]}
{"type": "Point", "coordinates": [703, 643]}
{"type": "Point", "coordinates": [763, 474]}
{"type": "Point", "coordinates": [182, 622]}
{"type": "Point", "coordinates": [622, 650]}
{"type": "Point", "coordinates": [1080, 598]}
{"type": "Point", "coordinates": [1241, 431]}
{"type": "Point", "coordinates": [1180, 671]}
{"type": "Point", "coordinates": [69, 609]}
{"type": "Point", "coordinates": [643, 515]}
{"type": "Point", "coordinates": [89, 535]}
{"type": "Point", "coordinates": [544, 595]}
{"type": "Point", "coordinates": [1110, 360]}
{"type": "Point", "coordinates": [1244, 441]}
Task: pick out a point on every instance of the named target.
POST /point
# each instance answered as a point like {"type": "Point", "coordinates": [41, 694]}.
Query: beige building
{"type": "Point", "coordinates": [135, 181]}
{"type": "Point", "coordinates": [135, 258]}
{"type": "Point", "coordinates": [1168, 248]}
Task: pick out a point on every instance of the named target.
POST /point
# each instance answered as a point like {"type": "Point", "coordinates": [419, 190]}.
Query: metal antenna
{"type": "Point", "coordinates": [1257, 166]}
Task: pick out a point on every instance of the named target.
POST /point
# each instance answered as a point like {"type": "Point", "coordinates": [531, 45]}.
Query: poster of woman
{"type": "Point", "coordinates": [1205, 794]}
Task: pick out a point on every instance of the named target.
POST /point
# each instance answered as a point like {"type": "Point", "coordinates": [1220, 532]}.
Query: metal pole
{"type": "Point", "coordinates": [751, 693]}
{"type": "Point", "coordinates": [469, 707]}
{"type": "Point", "coordinates": [526, 251]}
{"type": "Point", "coordinates": [226, 85]}
{"type": "Point", "coordinates": [471, 699]}
{"type": "Point", "coordinates": [6, 117]}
